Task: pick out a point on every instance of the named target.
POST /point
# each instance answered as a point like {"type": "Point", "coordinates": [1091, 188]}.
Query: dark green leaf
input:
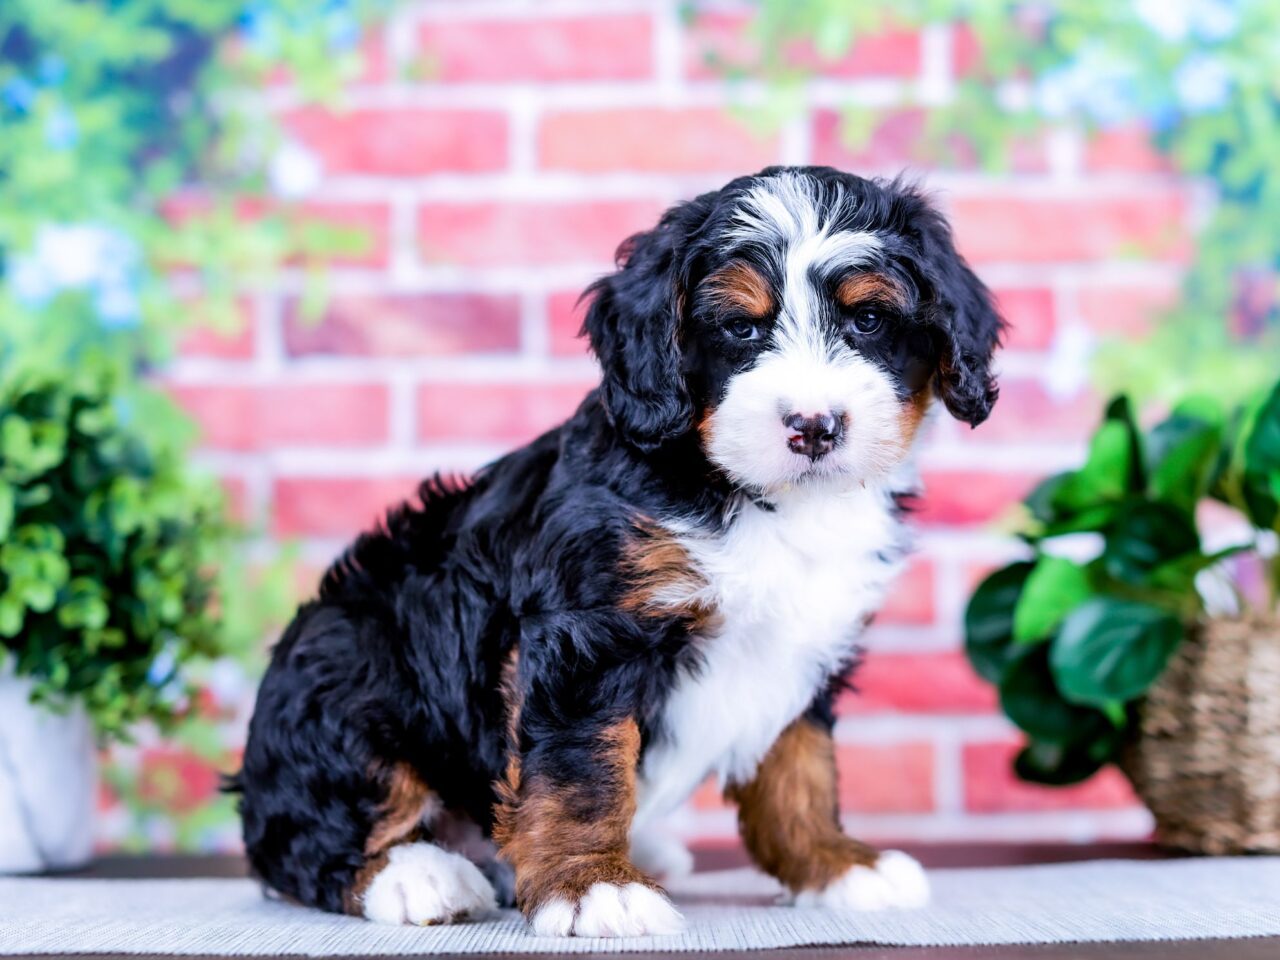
{"type": "Point", "coordinates": [1262, 449]}
{"type": "Point", "coordinates": [1059, 765]}
{"type": "Point", "coordinates": [1112, 650]}
{"type": "Point", "coordinates": [1110, 472]}
{"type": "Point", "coordinates": [1182, 452]}
{"type": "Point", "coordinates": [1145, 535]}
{"type": "Point", "coordinates": [1262, 464]}
{"type": "Point", "coordinates": [1030, 698]}
{"type": "Point", "coordinates": [988, 620]}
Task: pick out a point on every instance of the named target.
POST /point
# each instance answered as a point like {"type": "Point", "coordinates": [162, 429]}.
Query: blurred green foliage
{"type": "Point", "coordinates": [137, 198]}
{"type": "Point", "coordinates": [1074, 643]}
{"type": "Point", "coordinates": [108, 546]}
{"type": "Point", "coordinates": [1201, 77]}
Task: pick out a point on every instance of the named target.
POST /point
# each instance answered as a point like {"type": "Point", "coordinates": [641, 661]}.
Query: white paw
{"type": "Point", "coordinates": [896, 880]}
{"type": "Point", "coordinates": [609, 910]}
{"type": "Point", "coordinates": [423, 884]}
{"type": "Point", "coordinates": [661, 855]}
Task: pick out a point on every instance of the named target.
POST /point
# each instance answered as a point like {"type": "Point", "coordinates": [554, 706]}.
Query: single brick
{"type": "Point", "coordinates": [282, 415]}
{"type": "Point", "coordinates": [306, 506]}
{"type": "Point", "coordinates": [405, 325]}
{"type": "Point", "coordinates": [539, 50]}
{"type": "Point", "coordinates": [506, 413]}
{"type": "Point", "coordinates": [533, 233]}
{"type": "Point", "coordinates": [652, 139]}
{"type": "Point", "coordinates": [931, 683]}
{"type": "Point", "coordinates": [402, 141]}
{"type": "Point", "coordinates": [1032, 316]}
{"type": "Point", "coordinates": [886, 778]}
{"type": "Point", "coordinates": [968, 497]}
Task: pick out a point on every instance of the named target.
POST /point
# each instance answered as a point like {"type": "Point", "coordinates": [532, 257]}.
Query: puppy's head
{"type": "Point", "coordinates": [801, 321]}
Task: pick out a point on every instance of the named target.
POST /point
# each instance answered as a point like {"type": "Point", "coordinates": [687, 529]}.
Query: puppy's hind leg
{"type": "Point", "coordinates": [334, 816]}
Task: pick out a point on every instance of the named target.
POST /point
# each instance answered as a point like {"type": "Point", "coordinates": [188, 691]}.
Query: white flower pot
{"type": "Point", "coordinates": [48, 783]}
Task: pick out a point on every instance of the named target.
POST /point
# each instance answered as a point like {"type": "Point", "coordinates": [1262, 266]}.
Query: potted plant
{"type": "Point", "coordinates": [1124, 639]}
{"type": "Point", "coordinates": [105, 587]}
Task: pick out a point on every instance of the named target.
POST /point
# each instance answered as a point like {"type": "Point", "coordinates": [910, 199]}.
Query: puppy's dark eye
{"type": "Point", "coordinates": [743, 329]}
{"type": "Point", "coordinates": [867, 319]}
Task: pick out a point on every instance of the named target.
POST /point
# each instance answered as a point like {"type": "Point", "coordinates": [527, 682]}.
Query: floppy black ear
{"type": "Point", "coordinates": [962, 309]}
{"type": "Point", "coordinates": [634, 327]}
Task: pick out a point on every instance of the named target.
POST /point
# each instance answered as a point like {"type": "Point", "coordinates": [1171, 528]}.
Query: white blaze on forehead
{"type": "Point", "coordinates": [784, 214]}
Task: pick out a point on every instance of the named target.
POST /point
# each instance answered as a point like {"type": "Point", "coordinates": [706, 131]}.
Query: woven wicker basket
{"type": "Point", "coordinates": [1206, 759]}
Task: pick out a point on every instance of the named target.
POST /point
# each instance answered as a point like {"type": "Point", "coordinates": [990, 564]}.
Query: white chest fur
{"type": "Point", "coordinates": [791, 588]}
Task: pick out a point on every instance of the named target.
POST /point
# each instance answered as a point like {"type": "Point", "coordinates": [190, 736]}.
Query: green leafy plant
{"type": "Point", "coordinates": [1073, 643]}
{"type": "Point", "coordinates": [105, 568]}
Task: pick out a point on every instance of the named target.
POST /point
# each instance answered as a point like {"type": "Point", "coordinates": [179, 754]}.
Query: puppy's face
{"type": "Point", "coordinates": [802, 350]}
{"type": "Point", "coordinates": [801, 321]}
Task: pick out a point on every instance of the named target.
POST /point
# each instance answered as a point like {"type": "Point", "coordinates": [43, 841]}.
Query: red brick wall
{"type": "Point", "coordinates": [496, 153]}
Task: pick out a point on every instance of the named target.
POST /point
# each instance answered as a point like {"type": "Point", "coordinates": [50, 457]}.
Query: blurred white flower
{"type": "Point", "coordinates": [1096, 84]}
{"type": "Point", "coordinates": [294, 172]}
{"type": "Point", "coordinates": [1176, 20]}
{"type": "Point", "coordinates": [81, 256]}
{"type": "Point", "coordinates": [1069, 357]}
{"type": "Point", "coordinates": [117, 304]}
{"type": "Point", "coordinates": [1202, 83]}
{"type": "Point", "coordinates": [1171, 19]}
{"type": "Point", "coordinates": [164, 666]}
{"type": "Point", "coordinates": [227, 682]}
{"type": "Point", "coordinates": [1216, 19]}
{"type": "Point", "coordinates": [72, 254]}
{"type": "Point", "coordinates": [1015, 97]}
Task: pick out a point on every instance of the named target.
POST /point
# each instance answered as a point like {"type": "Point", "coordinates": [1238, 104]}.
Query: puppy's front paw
{"type": "Point", "coordinates": [609, 910]}
{"type": "Point", "coordinates": [896, 880]}
{"type": "Point", "coordinates": [423, 884]}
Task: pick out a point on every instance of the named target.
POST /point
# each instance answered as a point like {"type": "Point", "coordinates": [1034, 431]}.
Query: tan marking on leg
{"type": "Point", "coordinates": [509, 685]}
{"type": "Point", "coordinates": [563, 838]}
{"type": "Point", "coordinates": [400, 817]}
{"type": "Point", "coordinates": [788, 814]}
{"type": "Point", "coordinates": [408, 802]}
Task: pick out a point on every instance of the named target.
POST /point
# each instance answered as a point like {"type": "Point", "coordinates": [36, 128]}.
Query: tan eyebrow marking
{"type": "Point", "coordinates": [870, 287]}
{"type": "Point", "coordinates": [743, 287]}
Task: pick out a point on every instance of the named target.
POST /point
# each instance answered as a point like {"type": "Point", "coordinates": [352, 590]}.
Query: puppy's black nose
{"type": "Point", "coordinates": [813, 437]}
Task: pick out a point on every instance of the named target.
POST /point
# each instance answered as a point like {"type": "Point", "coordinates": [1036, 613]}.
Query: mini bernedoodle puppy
{"type": "Point", "coordinates": [498, 694]}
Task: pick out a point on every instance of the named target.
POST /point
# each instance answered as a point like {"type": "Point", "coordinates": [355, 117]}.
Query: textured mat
{"type": "Point", "coordinates": [733, 910]}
